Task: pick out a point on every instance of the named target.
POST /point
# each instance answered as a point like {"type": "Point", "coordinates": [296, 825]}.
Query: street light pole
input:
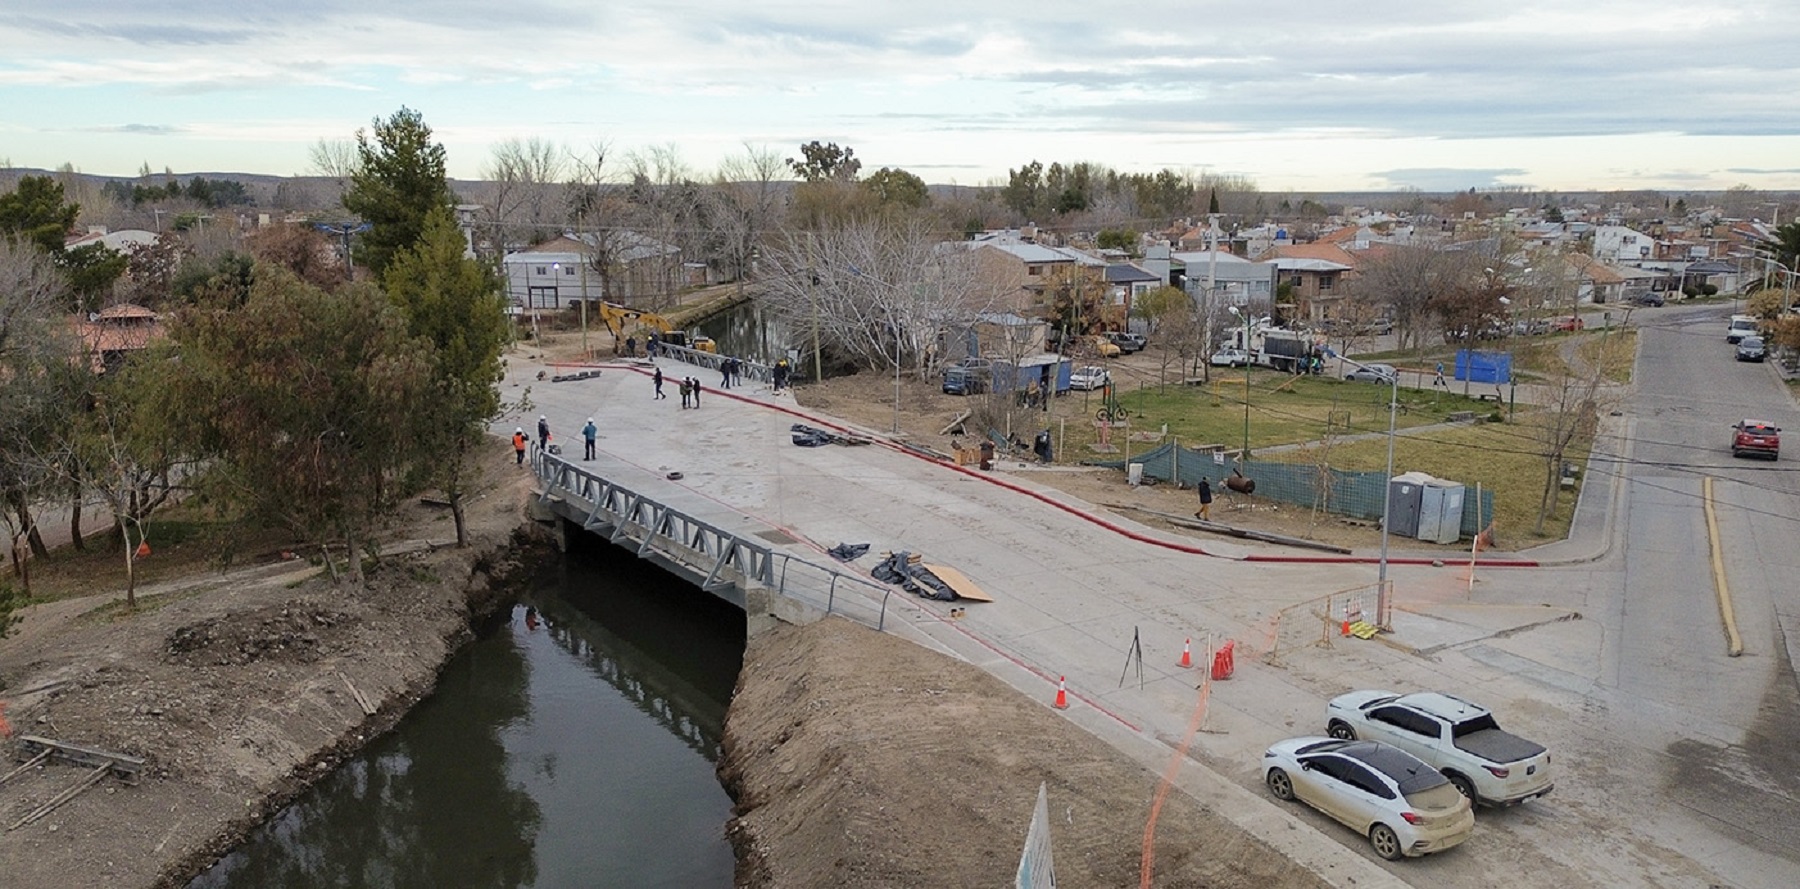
{"type": "Point", "coordinates": [1383, 595]}
{"type": "Point", "coordinates": [1244, 455]}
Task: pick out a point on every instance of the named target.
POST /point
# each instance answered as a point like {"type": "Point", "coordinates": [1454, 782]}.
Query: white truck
{"type": "Point", "coordinates": [1458, 738]}
{"type": "Point", "coordinates": [1290, 351]}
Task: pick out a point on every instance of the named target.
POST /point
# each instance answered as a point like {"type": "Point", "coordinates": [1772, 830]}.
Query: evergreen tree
{"type": "Point", "coordinates": [454, 304]}
{"type": "Point", "coordinates": [398, 181]}
{"type": "Point", "coordinates": [35, 212]}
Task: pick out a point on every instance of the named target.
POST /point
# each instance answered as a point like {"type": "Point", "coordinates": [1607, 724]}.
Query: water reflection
{"type": "Point", "coordinates": [572, 745]}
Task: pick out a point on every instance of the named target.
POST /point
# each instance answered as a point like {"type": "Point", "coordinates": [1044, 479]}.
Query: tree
{"type": "Point", "coordinates": [526, 176]}
{"type": "Point", "coordinates": [454, 304]}
{"type": "Point", "coordinates": [1025, 191]}
{"type": "Point", "coordinates": [826, 163]}
{"type": "Point", "coordinates": [302, 250]}
{"type": "Point", "coordinates": [91, 270]}
{"type": "Point", "coordinates": [1172, 325]}
{"type": "Point", "coordinates": [308, 401]}
{"type": "Point", "coordinates": [1407, 278]}
{"type": "Point", "coordinates": [748, 205]}
{"type": "Point", "coordinates": [1117, 239]}
{"type": "Point", "coordinates": [34, 361]}
{"type": "Point", "coordinates": [151, 269]}
{"type": "Point", "coordinates": [36, 212]}
{"type": "Point", "coordinates": [398, 181]}
{"type": "Point", "coordinates": [893, 187]}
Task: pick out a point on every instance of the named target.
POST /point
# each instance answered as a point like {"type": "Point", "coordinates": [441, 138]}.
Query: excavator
{"type": "Point", "coordinates": [616, 317]}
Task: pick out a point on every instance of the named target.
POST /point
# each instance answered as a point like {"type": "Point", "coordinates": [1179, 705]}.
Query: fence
{"type": "Point", "coordinates": [1318, 621]}
{"type": "Point", "coordinates": [1338, 491]}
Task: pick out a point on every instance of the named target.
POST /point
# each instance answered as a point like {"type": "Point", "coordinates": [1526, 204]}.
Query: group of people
{"type": "Point", "coordinates": [731, 373]}
{"type": "Point", "coordinates": [690, 392]}
{"type": "Point", "coordinates": [521, 441]}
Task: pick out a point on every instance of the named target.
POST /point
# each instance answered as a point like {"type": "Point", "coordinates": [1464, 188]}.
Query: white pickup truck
{"type": "Point", "coordinates": [1456, 737]}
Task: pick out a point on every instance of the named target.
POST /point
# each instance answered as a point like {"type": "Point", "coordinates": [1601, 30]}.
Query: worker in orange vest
{"type": "Point", "coordinates": [519, 443]}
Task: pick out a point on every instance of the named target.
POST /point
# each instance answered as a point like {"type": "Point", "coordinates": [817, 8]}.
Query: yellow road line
{"type": "Point", "coordinates": [1734, 644]}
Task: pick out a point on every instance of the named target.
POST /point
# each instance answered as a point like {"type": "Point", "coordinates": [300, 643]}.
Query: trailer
{"type": "Point", "coordinates": [1048, 371]}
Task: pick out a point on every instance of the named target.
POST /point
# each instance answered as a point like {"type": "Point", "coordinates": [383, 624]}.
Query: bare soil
{"type": "Point", "coordinates": [860, 759]}
{"type": "Point", "coordinates": [238, 689]}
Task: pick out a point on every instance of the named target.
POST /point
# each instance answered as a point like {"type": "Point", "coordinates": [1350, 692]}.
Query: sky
{"type": "Point", "coordinates": [1295, 96]}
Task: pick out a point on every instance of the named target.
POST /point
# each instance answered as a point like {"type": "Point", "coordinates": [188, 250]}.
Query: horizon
{"type": "Point", "coordinates": [1435, 97]}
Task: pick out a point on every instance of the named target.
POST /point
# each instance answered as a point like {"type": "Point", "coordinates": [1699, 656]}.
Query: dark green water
{"type": "Point", "coordinates": [572, 745]}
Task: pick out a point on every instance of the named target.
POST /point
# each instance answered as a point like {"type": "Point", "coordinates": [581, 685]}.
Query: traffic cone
{"type": "Point", "coordinates": [1062, 693]}
{"type": "Point", "coordinates": [143, 550]}
{"type": "Point", "coordinates": [1187, 654]}
{"type": "Point", "coordinates": [1345, 630]}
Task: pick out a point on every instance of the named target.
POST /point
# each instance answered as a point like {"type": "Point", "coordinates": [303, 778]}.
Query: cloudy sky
{"type": "Point", "coordinates": [1301, 95]}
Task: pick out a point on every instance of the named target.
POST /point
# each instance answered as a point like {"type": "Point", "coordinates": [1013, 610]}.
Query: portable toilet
{"type": "Point", "coordinates": [1404, 497]}
{"type": "Point", "coordinates": [1440, 511]}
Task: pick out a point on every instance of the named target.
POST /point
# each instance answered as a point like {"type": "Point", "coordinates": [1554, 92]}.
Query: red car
{"type": "Point", "coordinates": [1756, 437]}
{"type": "Point", "coordinates": [1571, 323]}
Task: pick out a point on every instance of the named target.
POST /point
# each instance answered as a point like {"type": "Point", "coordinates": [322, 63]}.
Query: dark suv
{"type": "Point", "coordinates": [1127, 342]}
{"type": "Point", "coordinates": [1757, 437]}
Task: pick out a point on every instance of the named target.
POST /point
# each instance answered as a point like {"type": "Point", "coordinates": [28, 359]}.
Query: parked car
{"type": "Point", "coordinates": [1404, 806]}
{"type": "Point", "coordinates": [1458, 738]}
{"type": "Point", "coordinates": [1373, 373]}
{"type": "Point", "coordinates": [970, 376]}
{"type": "Point", "coordinates": [1740, 326]}
{"type": "Point", "coordinates": [1650, 299]}
{"type": "Point", "coordinates": [1089, 378]}
{"type": "Point", "coordinates": [1230, 356]}
{"type": "Point", "coordinates": [1756, 437]}
{"type": "Point", "coordinates": [1751, 348]}
{"type": "Point", "coordinates": [1127, 342]}
{"type": "Point", "coordinates": [1530, 327]}
{"type": "Point", "coordinates": [1570, 324]}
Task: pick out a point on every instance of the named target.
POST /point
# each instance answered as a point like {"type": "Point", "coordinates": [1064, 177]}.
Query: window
{"type": "Point", "coordinates": [1325, 282]}
{"type": "Point", "coordinates": [1034, 270]}
{"type": "Point", "coordinates": [1361, 778]}
{"type": "Point", "coordinates": [543, 270]}
{"type": "Point", "coordinates": [1407, 721]}
{"type": "Point", "coordinates": [569, 270]}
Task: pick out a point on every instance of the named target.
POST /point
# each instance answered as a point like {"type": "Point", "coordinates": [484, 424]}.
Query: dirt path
{"type": "Point", "coordinates": [237, 689]}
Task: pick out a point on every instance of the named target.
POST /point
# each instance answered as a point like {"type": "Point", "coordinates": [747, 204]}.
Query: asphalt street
{"type": "Point", "coordinates": [1672, 766]}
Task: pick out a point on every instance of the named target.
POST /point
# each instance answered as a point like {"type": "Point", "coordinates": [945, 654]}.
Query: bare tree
{"type": "Point", "coordinates": [336, 160]}
{"type": "Point", "coordinates": [745, 205]}
{"type": "Point", "coordinates": [525, 177]}
{"type": "Point", "coordinates": [1408, 279]}
{"type": "Point", "coordinates": [878, 292]}
{"type": "Point", "coordinates": [1573, 401]}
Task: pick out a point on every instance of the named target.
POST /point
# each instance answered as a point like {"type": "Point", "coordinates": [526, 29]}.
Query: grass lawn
{"type": "Point", "coordinates": [1499, 456]}
{"type": "Point", "coordinates": [179, 544]}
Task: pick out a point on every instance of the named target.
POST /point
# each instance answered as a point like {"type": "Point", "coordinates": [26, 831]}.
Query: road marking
{"type": "Point", "coordinates": [1734, 644]}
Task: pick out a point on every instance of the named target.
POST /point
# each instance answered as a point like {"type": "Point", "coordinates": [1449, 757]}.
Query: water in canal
{"type": "Point", "coordinates": [571, 745]}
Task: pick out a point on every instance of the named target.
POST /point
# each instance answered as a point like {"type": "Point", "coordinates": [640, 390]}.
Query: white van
{"type": "Point", "coordinates": [1741, 326]}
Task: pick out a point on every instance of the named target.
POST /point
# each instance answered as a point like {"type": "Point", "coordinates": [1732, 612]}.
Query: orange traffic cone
{"type": "Point", "coordinates": [1062, 693]}
{"type": "Point", "coordinates": [143, 550]}
{"type": "Point", "coordinates": [1345, 629]}
{"type": "Point", "coordinates": [1187, 654]}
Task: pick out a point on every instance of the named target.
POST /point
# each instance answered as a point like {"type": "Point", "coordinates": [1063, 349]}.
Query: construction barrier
{"type": "Point", "coordinates": [1224, 664]}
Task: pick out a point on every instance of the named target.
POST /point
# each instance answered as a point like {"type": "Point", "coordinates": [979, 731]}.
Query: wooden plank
{"type": "Point", "coordinates": [126, 766]}
{"type": "Point", "coordinates": [956, 580]}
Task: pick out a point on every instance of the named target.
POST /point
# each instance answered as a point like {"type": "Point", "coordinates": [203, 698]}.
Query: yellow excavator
{"type": "Point", "coordinates": [618, 318]}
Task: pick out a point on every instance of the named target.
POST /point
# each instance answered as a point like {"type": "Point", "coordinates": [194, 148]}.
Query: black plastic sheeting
{"type": "Point", "coordinates": [812, 437]}
{"type": "Point", "coordinates": [848, 552]}
{"type": "Point", "coordinates": [914, 579]}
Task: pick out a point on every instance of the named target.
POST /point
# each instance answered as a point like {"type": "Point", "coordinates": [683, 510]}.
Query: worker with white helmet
{"type": "Point", "coordinates": [588, 434]}
{"type": "Point", "coordinates": [519, 441]}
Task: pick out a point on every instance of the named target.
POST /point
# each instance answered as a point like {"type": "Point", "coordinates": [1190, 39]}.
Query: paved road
{"type": "Point", "coordinates": [1665, 750]}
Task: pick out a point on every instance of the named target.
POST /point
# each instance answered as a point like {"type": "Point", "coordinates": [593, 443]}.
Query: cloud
{"type": "Point", "coordinates": [140, 129]}
{"type": "Point", "coordinates": [1442, 179]}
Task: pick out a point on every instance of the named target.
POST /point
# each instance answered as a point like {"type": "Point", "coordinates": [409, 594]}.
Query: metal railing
{"type": "Point", "coordinates": [627, 517]}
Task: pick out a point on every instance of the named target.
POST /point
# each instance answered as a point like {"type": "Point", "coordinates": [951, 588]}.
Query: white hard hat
{"type": "Point", "coordinates": [519, 429]}
{"type": "Point", "coordinates": [590, 419]}
{"type": "Point", "coordinates": [542, 417]}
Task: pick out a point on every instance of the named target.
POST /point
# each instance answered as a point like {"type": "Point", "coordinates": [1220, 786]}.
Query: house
{"type": "Point", "coordinates": [1128, 282]}
{"type": "Point", "coordinates": [1235, 281]}
{"type": "Point", "coordinates": [1618, 244]}
{"type": "Point", "coordinates": [1021, 271]}
{"type": "Point", "coordinates": [619, 266]}
{"type": "Point", "coordinates": [1317, 274]}
{"type": "Point", "coordinates": [111, 335]}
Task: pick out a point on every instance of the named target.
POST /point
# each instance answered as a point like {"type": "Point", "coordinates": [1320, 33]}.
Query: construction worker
{"type": "Point", "coordinates": [519, 441]}
{"type": "Point", "coordinates": [543, 439]}
{"type": "Point", "coordinates": [588, 434]}
{"type": "Point", "coordinates": [1206, 499]}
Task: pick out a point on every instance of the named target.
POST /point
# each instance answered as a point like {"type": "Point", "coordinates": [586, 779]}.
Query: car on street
{"type": "Point", "coordinates": [1530, 327]}
{"type": "Point", "coordinates": [1740, 326]}
{"type": "Point", "coordinates": [1089, 378]}
{"type": "Point", "coordinates": [1230, 356]}
{"type": "Point", "coordinates": [1649, 299]}
{"type": "Point", "coordinates": [1402, 805]}
{"type": "Point", "coordinates": [1127, 342]}
{"type": "Point", "coordinates": [1570, 324]}
{"type": "Point", "coordinates": [1373, 373]}
{"type": "Point", "coordinates": [1758, 438]}
{"type": "Point", "coordinates": [1751, 348]}
{"type": "Point", "coordinates": [1458, 738]}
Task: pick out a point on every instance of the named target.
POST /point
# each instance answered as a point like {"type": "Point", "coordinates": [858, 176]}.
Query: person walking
{"type": "Point", "coordinates": [543, 441]}
{"type": "Point", "coordinates": [1439, 379]}
{"type": "Point", "coordinates": [657, 379]}
{"type": "Point", "coordinates": [737, 372]}
{"type": "Point", "coordinates": [519, 441]}
{"type": "Point", "coordinates": [725, 374]}
{"type": "Point", "coordinates": [686, 395]}
{"type": "Point", "coordinates": [588, 434]}
{"type": "Point", "coordinates": [696, 385]}
{"type": "Point", "coordinates": [1206, 499]}
{"type": "Point", "coordinates": [781, 374]}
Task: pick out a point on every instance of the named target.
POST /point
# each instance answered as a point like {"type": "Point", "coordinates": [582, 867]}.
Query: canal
{"type": "Point", "coordinates": [572, 744]}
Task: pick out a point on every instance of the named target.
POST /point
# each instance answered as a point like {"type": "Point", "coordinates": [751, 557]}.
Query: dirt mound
{"type": "Point", "coordinates": [294, 632]}
{"type": "Point", "coordinates": [859, 759]}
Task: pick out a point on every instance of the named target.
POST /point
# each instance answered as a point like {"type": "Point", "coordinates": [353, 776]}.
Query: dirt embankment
{"type": "Point", "coordinates": [860, 759]}
{"type": "Point", "coordinates": [238, 690]}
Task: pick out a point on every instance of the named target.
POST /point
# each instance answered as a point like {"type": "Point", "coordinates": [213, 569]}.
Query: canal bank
{"type": "Point", "coordinates": [238, 690]}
